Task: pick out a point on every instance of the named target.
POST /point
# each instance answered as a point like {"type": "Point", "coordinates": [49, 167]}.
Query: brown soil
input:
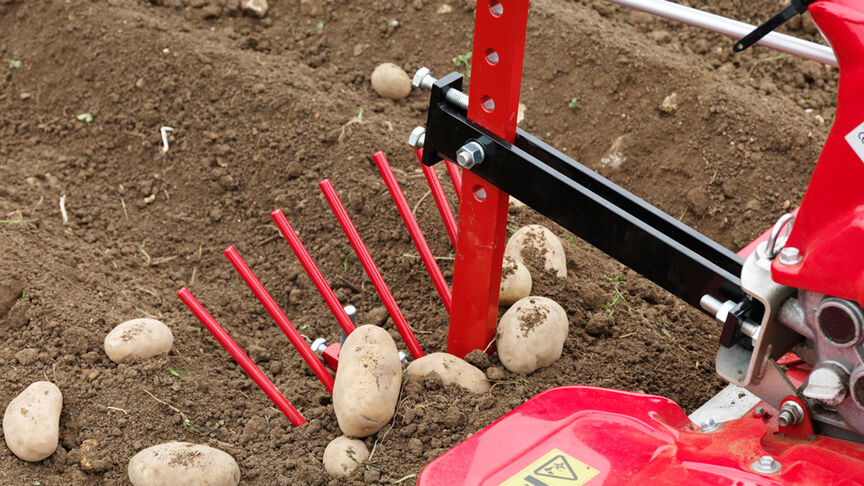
{"type": "Point", "coordinates": [262, 110]}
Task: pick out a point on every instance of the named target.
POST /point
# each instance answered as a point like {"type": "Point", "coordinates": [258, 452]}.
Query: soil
{"type": "Point", "coordinates": [262, 110]}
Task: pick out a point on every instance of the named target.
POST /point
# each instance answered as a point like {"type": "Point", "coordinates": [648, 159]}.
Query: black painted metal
{"type": "Point", "coordinates": [661, 248]}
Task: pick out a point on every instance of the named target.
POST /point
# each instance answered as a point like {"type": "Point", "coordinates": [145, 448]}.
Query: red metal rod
{"type": "Point", "coordinates": [413, 229]}
{"type": "Point", "coordinates": [312, 270]}
{"type": "Point", "coordinates": [440, 198]}
{"type": "Point", "coordinates": [240, 357]}
{"type": "Point", "coordinates": [371, 270]}
{"type": "Point", "coordinates": [456, 177]}
{"type": "Point", "coordinates": [280, 317]}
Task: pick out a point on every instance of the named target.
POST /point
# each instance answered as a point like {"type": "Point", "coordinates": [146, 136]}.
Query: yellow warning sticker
{"type": "Point", "coordinates": [556, 468]}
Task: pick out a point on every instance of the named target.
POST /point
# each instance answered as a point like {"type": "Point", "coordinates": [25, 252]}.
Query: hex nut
{"type": "Point", "coordinates": [419, 76]}
{"type": "Point", "coordinates": [470, 155]}
{"type": "Point", "coordinates": [417, 138]}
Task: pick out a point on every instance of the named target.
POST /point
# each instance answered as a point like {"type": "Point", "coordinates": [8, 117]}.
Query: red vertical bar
{"type": "Point", "coordinates": [240, 357]}
{"type": "Point", "coordinates": [496, 74]}
{"type": "Point", "coordinates": [371, 270]}
{"type": "Point", "coordinates": [440, 198]}
{"type": "Point", "coordinates": [280, 317]}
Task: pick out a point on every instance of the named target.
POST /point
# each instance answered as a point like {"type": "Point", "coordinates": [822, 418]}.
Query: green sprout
{"type": "Point", "coordinates": [574, 104]}
{"type": "Point", "coordinates": [320, 26]}
{"type": "Point", "coordinates": [464, 60]}
{"type": "Point", "coordinates": [15, 64]}
{"type": "Point", "coordinates": [85, 117]}
{"type": "Point", "coordinates": [178, 373]}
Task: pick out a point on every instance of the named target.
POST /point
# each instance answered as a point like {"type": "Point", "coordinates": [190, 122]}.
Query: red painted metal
{"type": "Point", "coordinates": [496, 73]}
{"type": "Point", "coordinates": [455, 177]}
{"type": "Point", "coordinates": [635, 439]}
{"type": "Point", "coordinates": [413, 229]}
{"type": "Point", "coordinates": [440, 198]}
{"type": "Point", "coordinates": [281, 319]}
{"type": "Point", "coordinates": [331, 355]}
{"type": "Point", "coordinates": [802, 431]}
{"type": "Point", "coordinates": [371, 269]}
{"type": "Point", "coordinates": [312, 270]}
{"type": "Point", "coordinates": [829, 229]}
{"type": "Point", "coordinates": [240, 357]}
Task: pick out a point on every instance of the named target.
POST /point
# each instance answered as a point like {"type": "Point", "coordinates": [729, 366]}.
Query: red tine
{"type": "Point", "coordinates": [440, 198]}
{"type": "Point", "coordinates": [280, 318]}
{"type": "Point", "coordinates": [371, 270]}
{"type": "Point", "coordinates": [239, 356]}
{"type": "Point", "coordinates": [414, 229]}
{"type": "Point", "coordinates": [456, 177]}
{"type": "Point", "coordinates": [312, 270]}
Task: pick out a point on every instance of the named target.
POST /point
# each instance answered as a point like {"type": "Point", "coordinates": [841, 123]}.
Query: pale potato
{"type": "Point", "coordinates": [176, 463]}
{"type": "Point", "coordinates": [343, 455]}
{"type": "Point", "coordinates": [531, 334]}
{"type": "Point", "coordinates": [367, 381]}
{"type": "Point", "coordinates": [537, 242]}
{"type": "Point", "coordinates": [515, 282]}
{"type": "Point", "coordinates": [138, 338]}
{"type": "Point", "coordinates": [31, 424]}
{"type": "Point", "coordinates": [391, 81]}
{"type": "Point", "coordinates": [452, 370]}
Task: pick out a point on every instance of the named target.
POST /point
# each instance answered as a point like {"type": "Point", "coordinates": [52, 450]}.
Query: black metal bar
{"type": "Point", "coordinates": [661, 248]}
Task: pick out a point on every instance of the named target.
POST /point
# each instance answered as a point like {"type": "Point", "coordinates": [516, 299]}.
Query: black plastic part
{"type": "Point", "coordinates": [654, 244]}
{"type": "Point", "coordinates": [795, 8]}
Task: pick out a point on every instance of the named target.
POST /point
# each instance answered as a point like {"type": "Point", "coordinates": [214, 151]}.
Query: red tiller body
{"type": "Point", "coordinates": [496, 74]}
{"type": "Point", "coordinates": [829, 228]}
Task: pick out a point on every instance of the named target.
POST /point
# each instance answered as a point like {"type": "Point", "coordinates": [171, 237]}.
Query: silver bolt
{"type": "Point", "coordinates": [722, 309]}
{"type": "Point", "coordinates": [423, 79]}
{"type": "Point", "coordinates": [319, 345]}
{"type": "Point", "coordinates": [470, 154]}
{"type": "Point", "coordinates": [790, 256]}
{"type": "Point", "coordinates": [417, 138]}
{"type": "Point", "coordinates": [710, 426]}
{"type": "Point", "coordinates": [790, 414]}
{"type": "Point", "coordinates": [351, 311]}
{"type": "Point", "coordinates": [766, 465]}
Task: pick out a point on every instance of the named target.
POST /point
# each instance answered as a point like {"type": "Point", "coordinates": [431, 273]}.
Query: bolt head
{"type": "Point", "coordinates": [419, 76]}
{"type": "Point", "coordinates": [470, 155]}
{"type": "Point", "coordinates": [417, 138]}
{"type": "Point", "coordinates": [766, 465]}
{"type": "Point", "coordinates": [790, 256]}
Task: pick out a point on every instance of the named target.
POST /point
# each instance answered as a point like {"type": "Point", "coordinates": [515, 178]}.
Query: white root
{"type": "Point", "coordinates": [164, 131]}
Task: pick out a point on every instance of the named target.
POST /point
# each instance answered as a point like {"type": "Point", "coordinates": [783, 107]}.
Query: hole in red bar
{"type": "Point", "coordinates": [479, 193]}
{"type": "Point", "coordinates": [488, 103]}
{"type": "Point", "coordinates": [496, 8]}
{"type": "Point", "coordinates": [492, 56]}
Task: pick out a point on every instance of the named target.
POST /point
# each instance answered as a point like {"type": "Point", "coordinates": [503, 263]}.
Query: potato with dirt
{"type": "Point", "coordinates": [138, 338]}
{"type": "Point", "coordinates": [391, 81]}
{"type": "Point", "coordinates": [31, 424]}
{"type": "Point", "coordinates": [531, 334]}
{"type": "Point", "coordinates": [515, 282]}
{"type": "Point", "coordinates": [452, 370]}
{"type": "Point", "coordinates": [344, 454]}
{"type": "Point", "coordinates": [176, 463]}
{"type": "Point", "coordinates": [367, 382]}
{"type": "Point", "coordinates": [537, 245]}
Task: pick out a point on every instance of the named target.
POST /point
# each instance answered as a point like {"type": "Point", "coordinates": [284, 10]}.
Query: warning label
{"type": "Point", "coordinates": [855, 138]}
{"type": "Point", "coordinates": [555, 468]}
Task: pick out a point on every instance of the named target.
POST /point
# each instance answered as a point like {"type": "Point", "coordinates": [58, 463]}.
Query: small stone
{"type": "Point", "coordinates": [415, 447]}
{"type": "Point", "coordinates": [10, 292]}
{"type": "Point", "coordinates": [254, 7]}
{"type": "Point", "coordinates": [311, 8]}
{"type": "Point", "coordinates": [377, 316]}
{"type": "Point", "coordinates": [753, 205]}
{"type": "Point", "coordinates": [444, 9]}
{"type": "Point", "coordinates": [27, 96]}
{"type": "Point", "coordinates": [139, 83]}
{"type": "Point", "coordinates": [358, 50]}
{"type": "Point", "coordinates": [600, 325]}
{"type": "Point", "coordinates": [495, 373]}
{"type": "Point", "coordinates": [371, 476]}
{"type": "Point", "coordinates": [27, 356]}
{"type": "Point", "coordinates": [670, 104]}
{"type": "Point", "coordinates": [478, 358]}
{"type": "Point", "coordinates": [520, 113]}
{"type": "Point", "coordinates": [92, 458]}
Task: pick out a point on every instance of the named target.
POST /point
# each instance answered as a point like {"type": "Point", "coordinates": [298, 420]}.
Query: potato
{"type": "Point", "coordinates": [391, 81]}
{"type": "Point", "coordinates": [254, 7]}
{"type": "Point", "coordinates": [175, 463]}
{"type": "Point", "coordinates": [138, 338]}
{"type": "Point", "coordinates": [343, 455]}
{"type": "Point", "coordinates": [531, 334]}
{"type": "Point", "coordinates": [452, 370]}
{"type": "Point", "coordinates": [515, 282]}
{"type": "Point", "coordinates": [536, 242]}
{"type": "Point", "coordinates": [31, 424]}
{"type": "Point", "coordinates": [367, 382]}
